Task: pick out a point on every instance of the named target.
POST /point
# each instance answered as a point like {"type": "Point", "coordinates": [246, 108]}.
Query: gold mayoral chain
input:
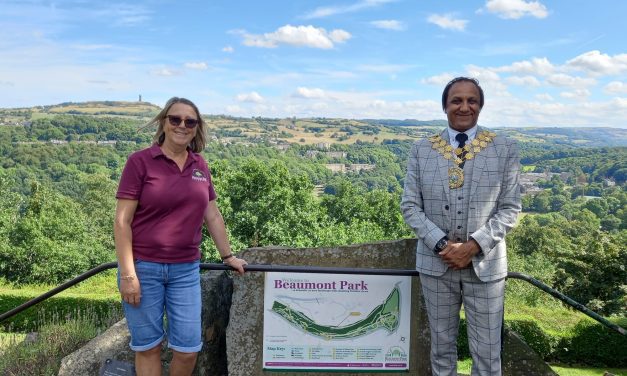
{"type": "Point", "coordinates": [460, 155]}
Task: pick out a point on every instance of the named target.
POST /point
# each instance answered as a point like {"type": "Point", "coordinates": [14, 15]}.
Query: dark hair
{"type": "Point", "coordinates": [461, 79]}
{"type": "Point", "coordinates": [198, 142]}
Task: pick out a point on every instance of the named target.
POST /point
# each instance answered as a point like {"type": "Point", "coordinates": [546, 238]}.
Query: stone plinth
{"type": "Point", "coordinates": [245, 331]}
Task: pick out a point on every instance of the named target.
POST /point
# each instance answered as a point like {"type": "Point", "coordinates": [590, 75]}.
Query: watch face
{"type": "Point", "coordinates": [440, 245]}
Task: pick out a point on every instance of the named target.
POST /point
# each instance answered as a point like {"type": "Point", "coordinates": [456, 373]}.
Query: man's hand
{"type": "Point", "coordinates": [459, 255]}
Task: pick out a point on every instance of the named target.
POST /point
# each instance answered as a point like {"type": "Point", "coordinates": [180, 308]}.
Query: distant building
{"type": "Point", "coordinates": [361, 167]}
{"type": "Point", "coordinates": [336, 154]}
{"type": "Point", "coordinates": [609, 183]}
{"type": "Point", "coordinates": [336, 167]}
{"type": "Point", "coordinates": [323, 145]}
{"type": "Point", "coordinates": [347, 167]}
{"type": "Point", "coordinates": [529, 180]}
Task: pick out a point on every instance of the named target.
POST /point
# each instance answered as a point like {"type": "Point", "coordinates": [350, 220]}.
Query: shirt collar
{"type": "Point", "coordinates": [471, 133]}
{"type": "Point", "coordinates": [155, 151]}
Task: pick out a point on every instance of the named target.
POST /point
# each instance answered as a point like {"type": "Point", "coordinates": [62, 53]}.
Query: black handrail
{"type": "Point", "coordinates": [315, 269]}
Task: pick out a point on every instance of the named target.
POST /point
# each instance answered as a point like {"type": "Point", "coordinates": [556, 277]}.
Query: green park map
{"type": "Point", "coordinates": [385, 315]}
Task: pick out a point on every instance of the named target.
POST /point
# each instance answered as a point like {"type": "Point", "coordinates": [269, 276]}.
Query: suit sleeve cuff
{"type": "Point", "coordinates": [485, 242]}
{"type": "Point", "coordinates": [433, 238]}
{"type": "Point", "coordinates": [480, 253]}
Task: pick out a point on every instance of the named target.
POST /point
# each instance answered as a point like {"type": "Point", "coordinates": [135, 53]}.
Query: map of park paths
{"type": "Point", "coordinates": [385, 316]}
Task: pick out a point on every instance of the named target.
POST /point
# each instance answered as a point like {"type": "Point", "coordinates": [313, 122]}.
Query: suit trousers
{"type": "Point", "coordinates": [483, 306]}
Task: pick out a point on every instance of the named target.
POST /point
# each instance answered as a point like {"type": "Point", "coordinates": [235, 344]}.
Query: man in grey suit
{"type": "Point", "coordinates": [461, 197]}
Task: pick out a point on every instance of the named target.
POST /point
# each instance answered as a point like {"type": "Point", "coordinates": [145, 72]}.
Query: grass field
{"type": "Point", "coordinates": [100, 286]}
{"type": "Point", "coordinates": [10, 339]}
{"type": "Point", "coordinates": [464, 366]}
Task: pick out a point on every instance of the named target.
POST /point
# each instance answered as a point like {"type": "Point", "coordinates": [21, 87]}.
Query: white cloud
{"type": "Point", "coordinates": [616, 87]}
{"type": "Point", "coordinates": [514, 9]}
{"type": "Point", "coordinates": [339, 35]}
{"type": "Point", "coordinates": [125, 14]}
{"type": "Point", "coordinates": [579, 94]}
{"type": "Point", "coordinates": [523, 81]}
{"type": "Point", "coordinates": [389, 24]}
{"type": "Point", "coordinates": [537, 66]}
{"type": "Point", "coordinates": [252, 97]}
{"type": "Point", "coordinates": [544, 97]}
{"type": "Point", "coordinates": [196, 65]}
{"type": "Point", "coordinates": [596, 63]}
{"type": "Point", "coordinates": [485, 75]}
{"type": "Point", "coordinates": [561, 79]}
{"type": "Point", "coordinates": [439, 80]}
{"type": "Point", "coordinates": [309, 93]}
{"type": "Point", "coordinates": [339, 9]}
{"type": "Point", "coordinates": [300, 36]}
{"type": "Point", "coordinates": [165, 72]}
{"type": "Point", "coordinates": [235, 110]}
{"type": "Point", "coordinates": [228, 49]}
{"type": "Point", "coordinates": [446, 21]}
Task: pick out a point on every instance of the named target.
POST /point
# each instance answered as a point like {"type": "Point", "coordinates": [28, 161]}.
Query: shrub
{"type": "Point", "coordinates": [55, 309]}
{"type": "Point", "coordinates": [55, 340]}
{"type": "Point", "coordinates": [594, 344]}
{"type": "Point", "coordinates": [588, 342]}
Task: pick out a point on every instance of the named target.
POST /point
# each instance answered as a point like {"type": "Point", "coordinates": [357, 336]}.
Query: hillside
{"type": "Point", "coordinates": [319, 131]}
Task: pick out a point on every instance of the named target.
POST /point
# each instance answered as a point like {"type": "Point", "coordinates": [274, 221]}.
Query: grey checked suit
{"type": "Point", "coordinates": [485, 208]}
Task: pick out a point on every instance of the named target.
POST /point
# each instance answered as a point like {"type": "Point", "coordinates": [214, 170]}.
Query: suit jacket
{"type": "Point", "coordinates": [493, 205]}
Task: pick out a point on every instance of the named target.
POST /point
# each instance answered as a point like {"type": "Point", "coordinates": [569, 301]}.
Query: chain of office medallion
{"type": "Point", "coordinates": [481, 142]}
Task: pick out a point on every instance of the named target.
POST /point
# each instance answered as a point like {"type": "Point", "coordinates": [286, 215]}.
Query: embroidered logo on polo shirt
{"type": "Point", "coordinates": [198, 175]}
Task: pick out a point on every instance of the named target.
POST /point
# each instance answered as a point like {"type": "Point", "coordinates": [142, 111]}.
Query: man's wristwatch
{"type": "Point", "coordinates": [440, 245]}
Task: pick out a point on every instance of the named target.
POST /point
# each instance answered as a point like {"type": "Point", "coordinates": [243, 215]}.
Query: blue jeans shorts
{"type": "Point", "coordinates": [175, 290]}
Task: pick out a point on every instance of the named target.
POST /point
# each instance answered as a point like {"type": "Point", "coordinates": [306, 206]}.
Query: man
{"type": "Point", "coordinates": [461, 197]}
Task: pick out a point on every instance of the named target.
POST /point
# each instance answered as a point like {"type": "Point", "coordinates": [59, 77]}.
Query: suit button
{"type": "Point", "coordinates": [459, 212]}
{"type": "Point", "coordinates": [446, 207]}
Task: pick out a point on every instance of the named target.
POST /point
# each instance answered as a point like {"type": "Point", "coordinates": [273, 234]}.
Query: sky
{"type": "Point", "coordinates": [540, 63]}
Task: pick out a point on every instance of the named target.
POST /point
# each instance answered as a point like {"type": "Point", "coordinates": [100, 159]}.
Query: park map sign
{"type": "Point", "coordinates": [322, 322]}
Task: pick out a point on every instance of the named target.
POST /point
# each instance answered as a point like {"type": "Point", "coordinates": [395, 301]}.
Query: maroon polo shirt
{"type": "Point", "coordinates": [167, 225]}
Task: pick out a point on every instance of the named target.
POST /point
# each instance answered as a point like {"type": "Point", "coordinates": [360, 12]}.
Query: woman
{"type": "Point", "coordinates": [165, 195]}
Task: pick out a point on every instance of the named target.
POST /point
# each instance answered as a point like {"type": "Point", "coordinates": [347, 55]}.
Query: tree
{"type": "Point", "coordinates": [263, 204]}
{"type": "Point", "coordinates": [51, 240]}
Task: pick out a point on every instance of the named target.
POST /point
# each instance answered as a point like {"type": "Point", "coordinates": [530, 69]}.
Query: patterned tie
{"type": "Point", "coordinates": [462, 138]}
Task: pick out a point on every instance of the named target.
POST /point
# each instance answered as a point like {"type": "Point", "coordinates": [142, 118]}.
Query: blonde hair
{"type": "Point", "coordinates": [199, 141]}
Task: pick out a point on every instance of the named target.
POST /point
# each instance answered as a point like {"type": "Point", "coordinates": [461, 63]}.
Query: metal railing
{"type": "Point", "coordinates": [316, 269]}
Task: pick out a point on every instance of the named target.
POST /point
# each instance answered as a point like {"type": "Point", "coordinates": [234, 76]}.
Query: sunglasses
{"type": "Point", "coordinates": [176, 121]}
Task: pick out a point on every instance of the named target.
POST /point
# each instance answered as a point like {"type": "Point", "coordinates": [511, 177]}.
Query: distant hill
{"type": "Point", "coordinates": [140, 109]}
{"type": "Point", "coordinates": [318, 130]}
{"type": "Point", "coordinates": [406, 122]}
{"type": "Point", "coordinates": [576, 137]}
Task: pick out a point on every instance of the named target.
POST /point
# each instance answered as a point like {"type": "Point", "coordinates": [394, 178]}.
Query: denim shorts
{"type": "Point", "coordinates": [175, 290]}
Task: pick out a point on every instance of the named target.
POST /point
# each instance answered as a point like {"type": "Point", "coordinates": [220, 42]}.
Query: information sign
{"type": "Point", "coordinates": [320, 322]}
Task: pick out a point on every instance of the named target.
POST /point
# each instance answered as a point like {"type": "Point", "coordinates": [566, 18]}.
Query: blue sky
{"type": "Point", "coordinates": [541, 63]}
